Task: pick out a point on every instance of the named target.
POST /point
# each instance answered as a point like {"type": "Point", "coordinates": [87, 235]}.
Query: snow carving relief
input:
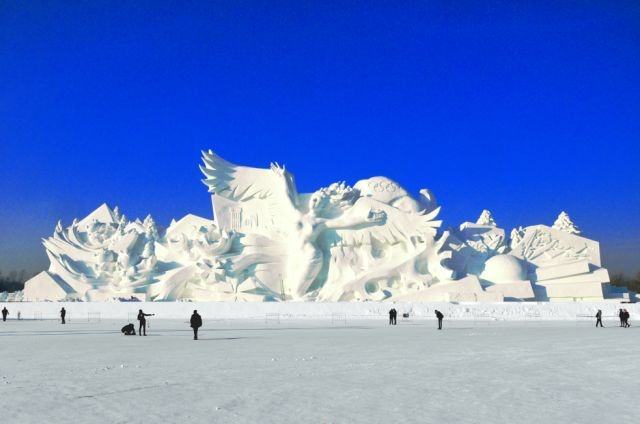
{"type": "Point", "coordinates": [268, 242]}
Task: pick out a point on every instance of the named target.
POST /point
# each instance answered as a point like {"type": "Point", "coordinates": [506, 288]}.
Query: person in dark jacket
{"type": "Point", "coordinates": [4, 313]}
{"type": "Point", "coordinates": [393, 314]}
{"type": "Point", "coordinates": [599, 318]}
{"type": "Point", "coordinates": [621, 316]}
{"type": "Point", "coordinates": [196, 322]}
{"type": "Point", "coordinates": [440, 317]}
{"type": "Point", "coordinates": [625, 318]}
{"type": "Point", "coordinates": [128, 330]}
{"type": "Point", "coordinates": [143, 322]}
{"type": "Point", "coordinates": [63, 314]}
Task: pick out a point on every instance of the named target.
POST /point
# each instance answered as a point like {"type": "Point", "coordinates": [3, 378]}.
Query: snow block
{"type": "Point", "coordinates": [562, 270]}
{"type": "Point", "coordinates": [45, 286]}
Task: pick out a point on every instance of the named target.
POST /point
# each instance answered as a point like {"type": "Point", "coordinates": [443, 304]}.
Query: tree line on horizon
{"type": "Point", "coordinates": [622, 280]}
{"type": "Point", "coordinates": [14, 280]}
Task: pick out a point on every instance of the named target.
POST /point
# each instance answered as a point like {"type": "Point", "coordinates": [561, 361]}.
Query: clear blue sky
{"type": "Point", "coordinates": [524, 108]}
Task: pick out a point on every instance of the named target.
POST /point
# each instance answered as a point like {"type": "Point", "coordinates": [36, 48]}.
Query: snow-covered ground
{"type": "Point", "coordinates": [319, 371]}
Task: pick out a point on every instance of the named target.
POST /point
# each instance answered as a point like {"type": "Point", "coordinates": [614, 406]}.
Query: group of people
{"type": "Point", "coordinates": [623, 315]}
{"type": "Point", "coordinates": [393, 315]}
{"type": "Point", "coordinates": [624, 318]}
{"type": "Point", "coordinates": [129, 329]}
{"type": "Point", "coordinates": [196, 321]}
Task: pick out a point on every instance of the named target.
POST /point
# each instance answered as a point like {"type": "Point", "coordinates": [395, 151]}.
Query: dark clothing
{"type": "Point", "coordinates": [393, 314]}
{"type": "Point", "coordinates": [4, 314]}
{"type": "Point", "coordinates": [440, 317]}
{"type": "Point", "coordinates": [621, 316]}
{"type": "Point", "coordinates": [196, 322]}
{"type": "Point", "coordinates": [625, 319]}
{"type": "Point", "coordinates": [599, 319]}
{"type": "Point", "coordinates": [63, 313]}
{"type": "Point", "coordinates": [128, 330]}
{"type": "Point", "coordinates": [142, 328]}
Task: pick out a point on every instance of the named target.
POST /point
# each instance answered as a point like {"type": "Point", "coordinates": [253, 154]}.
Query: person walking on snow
{"type": "Point", "coordinates": [196, 322]}
{"type": "Point", "coordinates": [143, 322]}
{"type": "Point", "coordinates": [599, 318]}
{"type": "Point", "coordinates": [621, 316]}
{"type": "Point", "coordinates": [440, 317]}
{"type": "Point", "coordinates": [625, 318]}
{"type": "Point", "coordinates": [4, 313]}
{"type": "Point", "coordinates": [63, 314]}
{"type": "Point", "coordinates": [392, 316]}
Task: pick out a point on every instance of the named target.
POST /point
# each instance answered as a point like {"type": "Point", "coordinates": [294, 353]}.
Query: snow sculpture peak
{"type": "Point", "coordinates": [486, 218]}
{"type": "Point", "coordinates": [564, 223]}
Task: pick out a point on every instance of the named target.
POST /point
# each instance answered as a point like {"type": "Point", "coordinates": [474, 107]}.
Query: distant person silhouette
{"type": "Point", "coordinates": [621, 316]}
{"type": "Point", "coordinates": [196, 322]}
{"type": "Point", "coordinates": [599, 318]}
{"type": "Point", "coordinates": [440, 317]}
{"type": "Point", "coordinates": [143, 322]}
{"type": "Point", "coordinates": [63, 314]}
{"type": "Point", "coordinates": [393, 314]}
{"type": "Point", "coordinates": [625, 318]}
{"type": "Point", "coordinates": [4, 313]}
{"type": "Point", "coordinates": [128, 330]}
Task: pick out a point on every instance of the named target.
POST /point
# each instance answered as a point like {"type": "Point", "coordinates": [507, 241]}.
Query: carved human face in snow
{"type": "Point", "coordinates": [318, 202]}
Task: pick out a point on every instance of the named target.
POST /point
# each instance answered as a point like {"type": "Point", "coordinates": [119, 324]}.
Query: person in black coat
{"type": "Point", "coordinates": [143, 322]}
{"type": "Point", "coordinates": [63, 314]}
{"type": "Point", "coordinates": [128, 330]}
{"type": "Point", "coordinates": [599, 318]}
{"type": "Point", "coordinates": [625, 318]}
{"type": "Point", "coordinates": [4, 313]}
{"type": "Point", "coordinates": [393, 314]}
{"type": "Point", "coordinates": [440, 317]}
{"type": "Point", "coordinates": [196, 322]}
{"type": "Point", "coordinates": [621, 316]}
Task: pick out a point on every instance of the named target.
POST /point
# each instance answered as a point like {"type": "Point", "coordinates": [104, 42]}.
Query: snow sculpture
{"type": "Point", "coordinates": [486, 218]}
{"type": "Point", "coordinates": [369, 241]}
{"type": "Point", "coordinates": [364, 229]}
{"type": "Point", "coordinates": [564, 223]}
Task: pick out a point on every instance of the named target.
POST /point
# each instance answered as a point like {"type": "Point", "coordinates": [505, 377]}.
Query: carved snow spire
{"type": "Point", "coordinates": [486, 218]}
{"type": "Point", "coordinates": [58, 229]}
{"type": "Point", "coordinates": [428, 200]}
{"type": "Point", "coordinates": [116, 213]}
{"type": "Point", "coordinates": [564, 223]}
{"type": "Point", "coordinates": [516, 236]}
{"type": "Point", "coordinates": [149, 250]}
{"type": "Point", "coordinates": [150, 227]}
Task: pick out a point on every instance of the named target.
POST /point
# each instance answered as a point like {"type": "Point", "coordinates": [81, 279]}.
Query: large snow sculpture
{"type": "Point", "coordinates": [369, 241]}
{"type": "Point", "coordinates": [337, 243]}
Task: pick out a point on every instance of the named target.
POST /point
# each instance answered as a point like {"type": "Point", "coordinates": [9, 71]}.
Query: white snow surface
{"type": "Point", "coordinates": [318, 371]}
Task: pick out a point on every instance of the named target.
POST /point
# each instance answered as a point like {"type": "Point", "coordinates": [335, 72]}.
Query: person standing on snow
{"type": "Point", "coordinates": [4, 313]}
{"type": "Point", "coordinates": [599, 318]}
{"type": "Point", "coordinates": [63, 314]}
{"type": "Point", "coordinates": [143, 322]}
{"type": "Point", "coordinates": [392, 316]}
{"type": "Point", "coordinates": [440, 317]}
{"type": "Point", "coordinates": [196, 322]}
{"type": "Point", "coordinates": [625, 318]}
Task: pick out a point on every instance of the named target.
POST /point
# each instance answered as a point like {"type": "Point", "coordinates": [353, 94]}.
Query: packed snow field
{"type": "Point", "coordinates": [319, 371]}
